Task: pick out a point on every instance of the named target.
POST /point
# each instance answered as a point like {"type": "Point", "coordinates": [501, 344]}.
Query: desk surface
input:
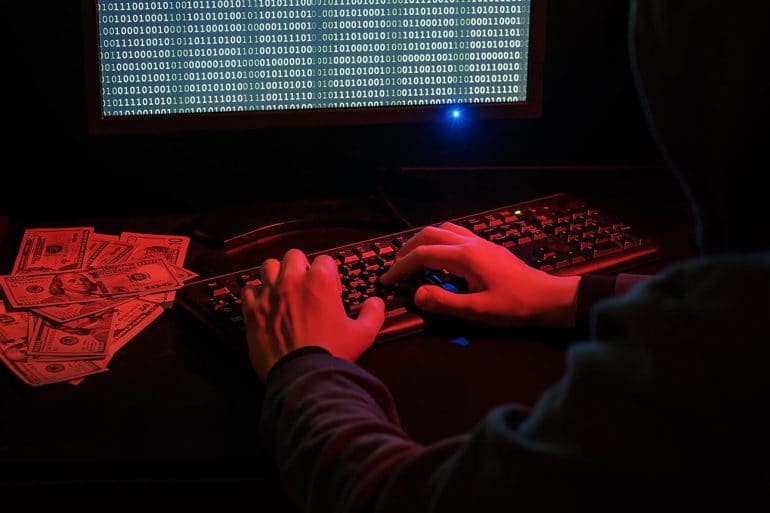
{"type": "Point", "coordinates": [177, 408]}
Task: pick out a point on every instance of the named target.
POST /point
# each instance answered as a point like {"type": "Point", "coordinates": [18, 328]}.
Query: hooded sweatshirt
{"type": "Point", "coordinates": [661, 408]}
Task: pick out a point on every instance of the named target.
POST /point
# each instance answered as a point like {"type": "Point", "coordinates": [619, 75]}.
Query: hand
{"type": "Point", "coordinates": [299, 305]}
{"type": "Point", "coordinates": [503, 290]}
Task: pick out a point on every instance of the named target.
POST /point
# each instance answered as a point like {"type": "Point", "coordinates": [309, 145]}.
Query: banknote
{"type": "Point", "coordinates": [45, 250]}
{"type": "Point", "coordinates": [67, 313]}
{"type": "Point", "coordinates": [106, 236]}
{"type": "Point", "coordinates": [32, 325]}
{"type": "Point", "coordinates": [14, 327]}
{"type": "Point", "coordinates": [172, 248]}
{"type": "Point", "coordinates": [85, 338]}
{"type": "Point", "coordinates": [38, 373]}
{"type": "Point", "coordinates": [105, 250]}
{"type": "Point", "coordinates": [167, 298]}
{"type": "Point", "coordinates": [131, 318]}
{"type": "Point", "coordinates": [182, 274]}
{"type": "Point", "coordinates": [119, 280]}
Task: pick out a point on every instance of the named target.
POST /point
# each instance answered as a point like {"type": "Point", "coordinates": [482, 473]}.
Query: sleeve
{"type": "Point", "coordinates": [639, 413]}
{"type": "Point", "coordinates": [595, 287]}
{"type": "Point", "coordinates": [335, 435]}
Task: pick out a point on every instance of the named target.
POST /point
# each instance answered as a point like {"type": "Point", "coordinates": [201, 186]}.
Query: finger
{"type": "Point", "coordinates": [325, 270]}
{"type": "Point", "coordinates": [371, 316]}
{"type": "Point", "coordinates": [434, 257]}
{"type": "Point", "coordinates": [248, 304]}
{"type": "Point", "coordinates": [459, 230]}
{"type": "Point", "coordinates": [249, 308]}
{"type": "Point", "coordinates": [270, 270]}
{"type": "Point", "coordinates": [294, 264]}
{"type": "Point", "coordinates": [428, 236]}
{"type": "Point", "coordinates": [436, 300]}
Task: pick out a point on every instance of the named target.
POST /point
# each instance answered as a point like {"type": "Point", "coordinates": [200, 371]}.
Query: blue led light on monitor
{"type": "Point", "coordinates": [456, 113]}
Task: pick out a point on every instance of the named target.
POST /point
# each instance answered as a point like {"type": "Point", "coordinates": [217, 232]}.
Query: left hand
{"type": "Point", "coordinates": [299, 305]}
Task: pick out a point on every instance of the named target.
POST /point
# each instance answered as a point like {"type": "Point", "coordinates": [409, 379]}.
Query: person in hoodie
{"type": "Point", "coordinates": [660, 409]}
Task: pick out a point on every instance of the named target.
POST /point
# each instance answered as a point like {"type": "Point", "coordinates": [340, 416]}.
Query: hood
{"type": "Point", "coordinates": [701, 69]}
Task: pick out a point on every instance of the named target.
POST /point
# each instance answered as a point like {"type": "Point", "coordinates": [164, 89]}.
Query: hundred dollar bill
{"type": "Point", "coordinates": [131, 319]}
{"type": "Point", "coordinates": [182, 274]}
{"type": "Point", "coordinates": [14, 327]}
{"type": "Point", "coordinates": [120, 280]}
{"type": "Point", "coordinates": [46, 250]}
{"type": "Point", "coordinates": [106, 250]}
{"type": "Point", "coordinates": [67, 313]}
{"type": "Point", "coordinates": [166, 299]}
{"type": "Point", "coordinates": [172, 248]}
{"type": "Point", "coordinates": [38, 373]}
{"type": "Point", "coordinates": [32, 325]}
{"type": "Point", "coordinates": [84, 339]}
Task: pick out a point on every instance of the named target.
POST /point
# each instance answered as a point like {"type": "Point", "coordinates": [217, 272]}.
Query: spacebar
{"type": "Point", "coordinates": [399, 322]}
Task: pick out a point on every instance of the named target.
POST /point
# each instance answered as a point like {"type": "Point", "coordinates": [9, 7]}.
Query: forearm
{"type": "Point", "coordinates": [333, 430]}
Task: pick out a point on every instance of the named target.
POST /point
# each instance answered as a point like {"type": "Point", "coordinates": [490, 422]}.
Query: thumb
{"type": "Point", "coordinates": [436, 300]}
{"type": "Point", "coordinates": [372, 315]}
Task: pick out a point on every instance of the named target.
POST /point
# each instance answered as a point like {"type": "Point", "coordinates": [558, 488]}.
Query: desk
{"type": "Point", "coordinates": [177, 414]}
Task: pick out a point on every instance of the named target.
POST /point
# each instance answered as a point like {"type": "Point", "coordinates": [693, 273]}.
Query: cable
{"type": "Point", "coordinates": [394, 211]}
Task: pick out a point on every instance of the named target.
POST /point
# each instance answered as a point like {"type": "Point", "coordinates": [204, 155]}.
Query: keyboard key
{"type": "Point", "coordinates": [347, 256]}
{"type": "Point", "coordinates": [383, 247]}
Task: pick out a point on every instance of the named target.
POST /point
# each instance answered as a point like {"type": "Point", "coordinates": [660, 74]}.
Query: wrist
{"type": "Point", "coordinates": [562, 301]}
{"type": "Point", "coordinates": [292, 355]}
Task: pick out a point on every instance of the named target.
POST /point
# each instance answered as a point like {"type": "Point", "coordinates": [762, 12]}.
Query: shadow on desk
{"type": "Point", "coordinates": [177, 415]}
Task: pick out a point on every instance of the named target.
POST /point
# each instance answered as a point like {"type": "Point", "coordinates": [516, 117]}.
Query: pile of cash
{"type": "Point", "coordinates": [75, 298]}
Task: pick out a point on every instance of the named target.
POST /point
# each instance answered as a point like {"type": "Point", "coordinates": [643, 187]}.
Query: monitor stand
{"type": "Point", "coordinates": [240, 224]}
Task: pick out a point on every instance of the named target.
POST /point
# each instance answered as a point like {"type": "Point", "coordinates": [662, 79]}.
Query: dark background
{"type": "Point", "coordinates": [590, 117]}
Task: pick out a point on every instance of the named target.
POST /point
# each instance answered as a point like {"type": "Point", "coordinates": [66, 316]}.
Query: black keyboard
{"type": "Point", "coordinates": [559, 234]}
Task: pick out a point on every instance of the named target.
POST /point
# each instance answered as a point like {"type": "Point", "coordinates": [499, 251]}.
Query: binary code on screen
{"type": "Point", "coordinates": [203, 56]}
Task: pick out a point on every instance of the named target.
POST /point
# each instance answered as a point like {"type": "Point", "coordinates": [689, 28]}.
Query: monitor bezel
{"type": "Point", "coordinates": [98, 124]}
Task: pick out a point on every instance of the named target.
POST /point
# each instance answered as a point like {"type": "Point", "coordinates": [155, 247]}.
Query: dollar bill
{"type": "Point", "coordinates": [14, 327]}
{"type": "Point", "coordinates": [67, 313]}
{"type": "Point", "coordinates": [106, 250]}
{"type": "Point", "coordinates": [182, 274]}
{"type": "Point", "coordinates": [85, 338]}
{"type": "Point", "coordinates": [131, 319]}
{"type": "Point", "coordinates": [119, 280]}
{"type": "Point", "coordinates": [166, 299]}
{"type": "Point", "coordinates": [107, 236]}
{"type": "Point", "coordinates": [32, 325]}
{"type": "Point", "coordinates": [172, 248]}
{"type": "Point", "coordinates": [45, 250]}
{"type": "Point", "coordinates": [38, 373]}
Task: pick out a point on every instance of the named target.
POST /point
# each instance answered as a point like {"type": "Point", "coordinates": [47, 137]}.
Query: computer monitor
{"type": "Point", "coordinates": [178, 65]}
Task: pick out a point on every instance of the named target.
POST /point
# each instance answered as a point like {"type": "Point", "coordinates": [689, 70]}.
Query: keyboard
{"type": "Point", "coordinates": [559, 234]}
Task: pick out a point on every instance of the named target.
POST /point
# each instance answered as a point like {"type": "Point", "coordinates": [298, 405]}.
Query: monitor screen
{"type": "Point", "coordinates": [167, 65]}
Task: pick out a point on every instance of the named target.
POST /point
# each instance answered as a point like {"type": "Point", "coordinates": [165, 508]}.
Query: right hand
{"type": "Point", "coordinates": [503, 290]}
